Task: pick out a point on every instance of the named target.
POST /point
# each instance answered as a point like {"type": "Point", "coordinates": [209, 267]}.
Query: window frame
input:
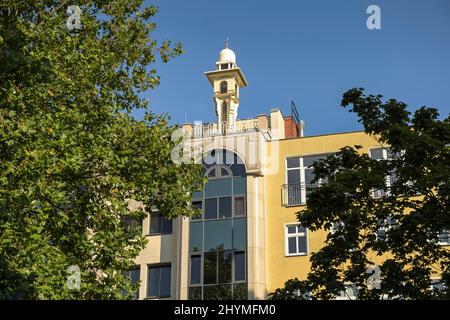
{"type": "Point", "coordinates": [448, 238]}
{"type": "Point", "coordinates": [296, 235]}
{"type": "Point", "coordinates": [302, 174]}
{"type": "Point", "coordinates": [128, 274]}
{"type": "Point", "coordinates": [158, 265]}
{"type": "Point", "coordinates": [150, 233]}
{"type": "Point", "coordinates": [201, 269]}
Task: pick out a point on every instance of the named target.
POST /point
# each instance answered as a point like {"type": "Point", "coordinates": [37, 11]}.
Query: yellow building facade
{"type": "Point", "coordinates": [247, 242]}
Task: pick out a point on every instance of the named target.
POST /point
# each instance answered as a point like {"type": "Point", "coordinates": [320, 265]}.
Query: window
{"type": "Point", "coordinates": [239, 206]}
{"type": "Point", "coordinates": [196, 266]}
{"type": "Point", "coordinates": [437, 285]}
{"type": "Point", "coordinates": [223, 87]}
{"type": "Point", "coordinates": [224, 112]}
{"type": "Point", "coordinates": [224, 66]}
{"type": "Point", "coordinates": [132, 224]}
{"type": "Point", "coordinates": [159, 224]}
{"type": "Point", "coordinates": [159, 281]}
{"type": "Point", "coordinates": [217, 267]}
{"type": "Point", "coordinates": [444, 238]}
{"type": "Point", "coordinates": [225, 207]}
{"type": "Point", "coordinates": [385, 225]}
{"type": "Point", "coordinates": [383, 154]}
{"type": "Point", "coordinates": [239, 266]}
{"type": "Point", "coordinates": [337, 228]}
{"type": "Point", "coordinates": [296, 240]}
{"type": "Point", "coordinates": [211, 208]}
{"type": "Point", "coordinates": [134, 276]}
{"type": "Point", "coordinates": [299, 176]}
{"type": "Point", "coordinates": [218, 242]}
{"type": "Point", "coordinates": [197, 205]}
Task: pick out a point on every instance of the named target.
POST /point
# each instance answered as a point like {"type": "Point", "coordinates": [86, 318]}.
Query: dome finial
{"type": "Point", "coordinates": [227, 40]}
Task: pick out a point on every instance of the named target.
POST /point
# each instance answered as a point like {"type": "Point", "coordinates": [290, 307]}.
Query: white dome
{"type": "Point", "coordinates": [227, 55]}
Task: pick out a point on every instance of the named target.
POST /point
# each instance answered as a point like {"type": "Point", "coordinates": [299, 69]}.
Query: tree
{"type": "Point", "coordinates": [71, 155]}
{"type": "Point", "coordinates": [395, 231]}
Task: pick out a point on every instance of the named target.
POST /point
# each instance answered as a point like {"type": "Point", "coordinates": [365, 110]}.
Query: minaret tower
{"type": "Point", "coordinates": [226, 81]}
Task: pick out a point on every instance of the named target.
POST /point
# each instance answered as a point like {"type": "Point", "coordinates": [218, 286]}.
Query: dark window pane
{"type": "Point", "coordinates": [195, 293]}
{"type": "Point", "coordinates": [197, 205]}
{"type": "Point", "coordinates": [153, 282]}
{"type": "Point", "coordinates": [238, 169]}
{"type": "Point", "coordinates": [239, 207]}
{"type": "Point", "coordinates": [309, 161]}
{"type": "Point", "coordinates": [224, 266]}
{"type": "Point", "coordinates": [302, 244]}
{"type": "Point", "coordinates": [196, 236]}
{"type": "Point", "coordinates": [218, 235]}
{"type": "Point", "coordinates": [166, 226]}
{"type": "Point", "coordinates": [135, 275]}
{"type": "Point", "coordinates": [224, 172]}
{"type": "Point", "coordinates": [217, 292]}
{"type": "Point", "coordinates": [210, 267]}
{"type": "Point", "coordinates": [292, 229]}
{"type": "Point", "coordinates": [240, 234]}
{"type": "Point", "coordinates": [159, 224]}
{"type": "Point", "coordinates": [301, 229]}
{"type": "Point", "coordinates": [218, 187]}
{"type": "Point", "coordinates": [212, 173]}
{"type": "Point", "coordinates": [239, 185]}
{"type": "Point", "coordinates": [309, 176]}
{"type": "Point", "coordinates": [155, 223]}
{"type": "Point", "coordinates": [164, 289]}
{"type": "Point", "coordinates": [292, 243]}
{"type": "Point", "coordinates": [211, 208]}
{"type": "Point", "coordinates": [293, 176]}
{"type": "Point", "coordinates": [158, 282]}
{"type": "Point", "coordinates": [225, 207]}
{"type": "Point", "coordinates": [196, 262]}
{"type": "Point", "coordinates": [239, 266]}
{"type": "Point", "coordinates": [197, 195]}
{"type": "Point", "coordinates": [376, 154]}
{"type": "Point", "coordinates": [293, 162]}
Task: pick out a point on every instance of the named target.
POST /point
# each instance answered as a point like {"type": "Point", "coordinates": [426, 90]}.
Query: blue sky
{"type": "Point", "coordinates": [307, 51]}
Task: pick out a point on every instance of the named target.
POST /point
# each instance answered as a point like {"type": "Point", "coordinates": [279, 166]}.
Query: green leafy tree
{"type": "Point", "coordinates": [71, 155]}
{"type": "Point", "coordinates": [398, 231]}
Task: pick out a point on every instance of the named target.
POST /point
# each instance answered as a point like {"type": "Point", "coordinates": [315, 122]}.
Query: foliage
{"type": "Point", "coordinates": [71, 155]}
{"type": "Point", "coordinates": [397, 232]}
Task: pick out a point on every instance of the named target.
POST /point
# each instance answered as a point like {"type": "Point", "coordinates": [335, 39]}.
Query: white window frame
{"type": "Point", "coordinates": [387, 178]}
{"type": "Point", "coordinates": [387, 226]}
{"type": "Point", "coordinates": [436, 280]}
{"type": "Point", "coordinates": [444, 243]}
{"type": "Point", "coordinates": [294, 235]}
{"type": "Point", "coordinates": [301, 168]}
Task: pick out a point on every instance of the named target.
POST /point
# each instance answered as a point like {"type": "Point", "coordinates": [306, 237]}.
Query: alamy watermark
{"type": "Point", "coordinates": [73, 277]}
{"type": "Point", "coordinates": [74, 20]}
{"type": "Point", "coordinates": [374, 20]}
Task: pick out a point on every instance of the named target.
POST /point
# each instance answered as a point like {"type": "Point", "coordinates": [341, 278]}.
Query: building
{"type": "Point", "coordinates": [247, 242]}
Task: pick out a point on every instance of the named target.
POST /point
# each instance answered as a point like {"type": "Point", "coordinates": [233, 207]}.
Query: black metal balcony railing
{"type": "Point", "coordinates": [296, 194]}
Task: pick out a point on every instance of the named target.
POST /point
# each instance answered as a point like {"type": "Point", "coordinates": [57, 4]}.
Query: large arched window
{"type": "Point", "coordinates": [218, 238]}
{"type": "Point", "coordinates": [223, 87]}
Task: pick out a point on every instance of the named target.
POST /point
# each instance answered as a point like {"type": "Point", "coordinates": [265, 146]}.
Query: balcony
{"type": "Point", "coordinates": [296, 194]}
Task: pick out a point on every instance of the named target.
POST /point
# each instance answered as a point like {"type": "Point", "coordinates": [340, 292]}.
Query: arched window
{"type": "Point", "coordinates": [223, 87]}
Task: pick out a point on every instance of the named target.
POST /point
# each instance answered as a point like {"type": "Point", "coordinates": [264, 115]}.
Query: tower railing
{"type": "Point", "coordinates": [212, 129]}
